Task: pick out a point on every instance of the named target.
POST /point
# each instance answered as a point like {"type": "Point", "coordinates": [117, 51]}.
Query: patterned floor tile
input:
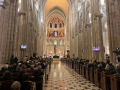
{"type": "Point", "coordinates": [64, 78]}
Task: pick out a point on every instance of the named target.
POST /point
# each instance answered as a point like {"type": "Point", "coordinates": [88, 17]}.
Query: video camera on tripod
{"type": "Point", "coordinates": [117, 51]}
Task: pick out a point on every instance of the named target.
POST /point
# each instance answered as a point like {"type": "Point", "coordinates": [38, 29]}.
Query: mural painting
{"type": "Point", "coordinates": [52, 33]}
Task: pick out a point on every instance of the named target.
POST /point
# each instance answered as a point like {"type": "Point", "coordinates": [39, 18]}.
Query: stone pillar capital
{"type": "Point", "coordinates": [3, 3]}
{"type": "Point", "coordinates": [76, 34]}
{"type": "Point", "coordinates": [12, 1]}
{"type": "Point", "coordinates": [87, 25]}
{"type": "Point", "coordinates": [80, 31]}
{"type": "Point", "coordinates": [22, 12]}
{"type": "Point", "coordinates": [98, 14]}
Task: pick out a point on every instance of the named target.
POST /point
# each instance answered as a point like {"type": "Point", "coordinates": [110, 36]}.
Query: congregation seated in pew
{"type": "Point", "coordinates": [29, 71]}
{"type": "Point", "coordinates": [107, 70]}
{"type": "Point", "coordinates": [7, 81]}
{"type": "Point", "coordinates": [118, 71]}
{"type": "Point", "coordinates": [36, 76]}
{"type": "Point", "coordinates": [26, 76]}
{"type": "Point", "coordinates": [99, 73]}
{"type": "Point", "coordinates": [25, 83]}
{"type": "Point", "coordinates": [15, 86]}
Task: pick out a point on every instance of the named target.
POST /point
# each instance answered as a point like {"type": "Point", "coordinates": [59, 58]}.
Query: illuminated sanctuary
{"type": "Point", "coordinates": [77, 32]}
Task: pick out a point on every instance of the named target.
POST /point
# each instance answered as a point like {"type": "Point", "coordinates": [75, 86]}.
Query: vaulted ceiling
{"type": "Point", "coordinates": [56, 7]}
{"type": "Point", "coordinates": [69, 1]}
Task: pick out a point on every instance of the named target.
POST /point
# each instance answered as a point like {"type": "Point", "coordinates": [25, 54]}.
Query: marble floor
{"type": "Point", "coordinates": [64, 78]}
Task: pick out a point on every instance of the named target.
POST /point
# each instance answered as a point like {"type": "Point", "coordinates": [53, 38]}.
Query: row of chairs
{"type": "Point", "coordinates": [100, 79]}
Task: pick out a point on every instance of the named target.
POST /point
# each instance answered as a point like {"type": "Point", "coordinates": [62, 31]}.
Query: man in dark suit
{"type": "Point", "coordinates": [12, 60]}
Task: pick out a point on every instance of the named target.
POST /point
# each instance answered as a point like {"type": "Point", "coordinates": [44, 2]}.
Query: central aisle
{"type": "Point", "coordinates": [64, 78]}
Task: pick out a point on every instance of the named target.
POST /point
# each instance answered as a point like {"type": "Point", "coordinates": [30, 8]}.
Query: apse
{"type": "Point", "coordinates": [55, 31]}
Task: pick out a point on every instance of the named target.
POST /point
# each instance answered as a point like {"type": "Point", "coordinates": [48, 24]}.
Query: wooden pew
{"type": "Point", "coordinates": [76, 66]}
{"type": "Point", "coordinates": [83, 70]}
{"type": "Point", "coordinates": [97, 77]}
{"type": "Point", "coordinates": [0, 84]}
{"type": "Point", "coordinates": [33, 86]}
{"type": "Point", "coordinates": [87, 72]}
{"type": "Point", "coordinates": [72, 64]}
{"type": "Point", "coordinates": [115, 83]}
{"type": "Point", "coordinates": [91, 75]}
{"type": "Point", "coordinates": [80, 69]}
{"type": "Point", "coordinates": [105, 81]}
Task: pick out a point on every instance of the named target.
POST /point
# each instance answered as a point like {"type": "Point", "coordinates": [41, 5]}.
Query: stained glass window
{"type": "Point", "coordinates": [50, 25]}
{"type": "Point", "coordinates": [60, 25]}
{"type": "Point", "coordinates": [19, 5]}
{"type": "Point", "coordinates": [55, 25]}
{"type": "Point", "coordinates": [102, 2]}
{"type": "Point", "coordinates": [79, 6]}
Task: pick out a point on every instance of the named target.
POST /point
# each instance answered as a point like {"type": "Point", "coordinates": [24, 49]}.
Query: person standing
{"type": "Point", "coordinates": [12, 60]}
{"type": "Point", "coordinates": [16, 59]}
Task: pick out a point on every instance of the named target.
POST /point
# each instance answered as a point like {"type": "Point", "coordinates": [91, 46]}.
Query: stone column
{"type": "Point", "coordinates": [11, 28]}
{"type": "Point", "coordinates": [80, 44]}
{"type": "Point", "coordinates": [85, 41]}
{"type": "Point", "coordinates": [89, 46]}
{"type": "Point", "coordinates": [3, 6]}
{"type": "Point", "coordinates": [99, 37]}
{"type": "Point", "coordinates": [113, 23]}
{"type": "Point", "coordinates": [71, 46]}
{"type": "Point", "coordinates": [20, 36]}
{"type": "Point", "coordinates": [76, 46]}
{"type": "Point", "coordinates": [30, 31]}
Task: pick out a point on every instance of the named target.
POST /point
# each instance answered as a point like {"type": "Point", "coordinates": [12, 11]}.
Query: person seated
{"type": "Point", "coordinates": [90, 65]}
{"type": "Point", "coordinates": [25, 83]}
{"type": "Point", "coordinates": [20, 75]}
{"type": "Point", "coordinates": [95, 66]}
{"type": "Point", "coordinates": [40, 70]}
{"type": "Point", "coordinates": [100, 68]}
{"type": "Point", "coordinates": [85, 64]}
{"type": "Point", "coordinates": [111, 66]}
{"type": "Point", "coordinates": [38, 63]}
{"type": "Point", "coordinates": [13, 68]}
{"type": "Point", "coordinates": [29, 71]}
{"type": "Point", "coordinates": [95, 61]}
{"type": "Point", "coordinates": [32, 68]}
{"type": "Point", "coordinates": [5, 68]}
{"type": "Point", "coordinates": [1, 73]}
{"type": "Point", "coordinates": [23, 68]}
{"type": "Point", "coordinates": [81, 62]}
{"type": "Point", "coordinates": [103, 64]}
{"type": "Point", "coordinates": [118, 71]}
{"type": "Point", "coordinates": [43, 66]}
{"type": "Point", "coordinates": [107, 70]}
{"type": "Point", "coordinates": [7, 81]}
{"type": "Point", "coordinates": [28, 66]}
{"type": "Point", "coordinates": [15, 86]}
{"type": "Point", "coordinates": [36, 76]}
{"type": "Point", "coordinates": [35, 65]}
{"type": "Point", "coordinates": [18, 68]}
{"type": "Point", "coordinates": [25, 60]}
{"type": "Point", "coordinates": [17, 73]}
{"type": "Point", "coordinates": [108, 62]}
